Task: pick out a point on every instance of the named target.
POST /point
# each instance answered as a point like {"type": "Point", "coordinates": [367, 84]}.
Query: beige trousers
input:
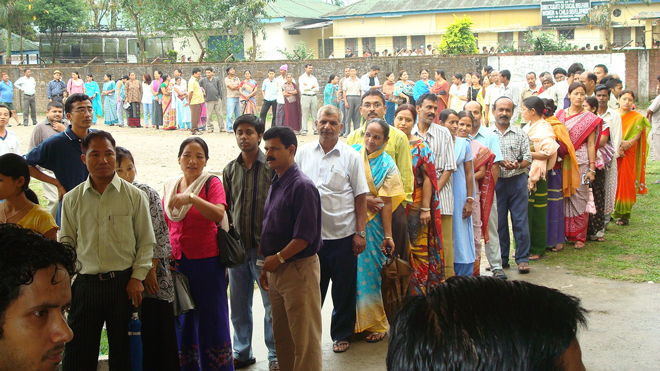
{"type": "Point", "coordinates": [448, 245]}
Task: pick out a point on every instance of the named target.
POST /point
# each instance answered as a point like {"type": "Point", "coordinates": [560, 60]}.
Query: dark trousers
{"type": "Point", "coordinates": [58, 98]}
{"type": "Point", "coordinates": [400, 233]}
{"type": "Point", "coordinates": [29, 109]}
{"type": "Point", "coordinates": [264, 111]}
{"type": "Point", "coordinates": [159, 348]}
{"type": "Point", "coordinates": [339, 264]}
{"type": "Point", "coordinates": [512, 197]}
{"type": "Point", "coordinates": [94, 302]}
{"type": "Point", "coordinates": [157, 113]}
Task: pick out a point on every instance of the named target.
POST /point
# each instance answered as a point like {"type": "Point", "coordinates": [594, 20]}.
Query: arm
{"type": "Point", "coordinates": [591, 150]}
{"type": "Point", "coordinates": [19, 84]}
{"type": "Point", "coordinates": [603, 140]}
{"type": "Point", "coordinates": [480, 174]}
{"type": "Point", "coordinates": [145, 240]}
{"type": "Point", "coordinates": [496, 171]}
{"type": "Point", "coordinates": [386, 217]}
{"type": "Point", "coordinates": [36, 174]}
{"type": "Point", "coordinates": [49, 92]}
{"type": "Point", "coordinates": [360, 243]}
{"type": "Point", "coordinates": [427, 191]}
{"type": "Point", "coordinates": [443, 179]}
{"type": "Point", "coordinates": [469, 177]}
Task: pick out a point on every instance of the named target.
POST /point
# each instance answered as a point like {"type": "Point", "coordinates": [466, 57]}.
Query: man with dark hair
{"type": "Point", "coordinates": [269, 93]}
{"type": "Point", "coordinates": [560, 91]}
{"type": "Point", "coordinates": [601, 71]}
{"type": "Point", "coordinates": [349, 53]}
{"type": "Point", "coordinates": [369, 80]}
{"type": "Point", "coordinates": [509, 90]}
{"type": "Point", "coordinates": [195, 99]}
{"type": "Point", "coordinates": [7, 96]}
{"type": "Point", "coordinates": [511, 187]}
{"type": "Point", "coordinates": [589, 80]}
{"type": "Point", "coordinates": [309, 87]}
{"type": "Point", "coordinates": [530, 91]}
{"type": "Point", "coordinates": [232, 83]}
{"type": "Point", "coordinates": [53, 124]}
{"type": "Point", "coordinates": [340, 96]}
{"type": "Point", "coordinates": [56, 90]}
{"type": "Point", "coordinates": [28, 86]}
{"type": "Point", "coordinates": [212, 97]}
{"type": "Point", "coordinates": [108, 221]}
{"type": "Point", "coordinates": [35, 277]}
{"type": "Point", "coordinates": [290, 241]}
{"type": "Point", "coordinates": [484, 324]}
{"type": "Point", "coordinates": [246, 181]}
{"type": "Point", "coordinates": [61, 152]}
{"type": "Point", "coordinates": [559, 74]}
{"type": "Point", "coordinates": [486, 70]}
{"type": "Point", "coordinates": [337, 169]}
{"type": "Point", "coordinates": [492, 93]}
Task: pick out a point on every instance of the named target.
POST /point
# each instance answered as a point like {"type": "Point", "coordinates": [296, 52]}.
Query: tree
{"type": "Point", "coordinates": [99, 10]}
{"type": "Point", "coordinates": [54, 17]}
{"type": "Point", "coordinates": [459, 38]}
{"type": "Point", "coordinates": [246, 16]}
{"type": "Point", "coordinates": [600, 16]}
{"type": "Point", "coordinates": [7, 14]}
{"type": "Point", "coordinates": [546, 41]}
{"type": "Point", "coordinates": [299, 52]}
{"type": "Point", "coordinates": [140, 17]}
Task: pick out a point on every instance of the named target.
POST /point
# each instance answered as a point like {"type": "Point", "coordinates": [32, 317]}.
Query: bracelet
{"type": "Point", "coordinates": [387, 238]}
{"type": "Point", "coordinates": [471, 198]}
{"type": "Point", "coordinates": [425, 208]}
{"type": "Point", "coordinates": [592, 171]}
{"type": "Point", "coordinates": [191, 197]}
{"type": "Point", "coordinates": [592, 162]}
{"type": "Point", "coordinates": [280, 258]}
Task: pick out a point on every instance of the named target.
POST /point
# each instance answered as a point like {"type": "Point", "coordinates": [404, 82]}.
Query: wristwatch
{"type": "Point", "coordinates": [362, 233]}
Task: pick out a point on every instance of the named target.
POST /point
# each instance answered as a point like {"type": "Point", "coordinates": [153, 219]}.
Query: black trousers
{"type": "Point", "coordinates": [264, 111]}
{"type": "Point", "coordinates": [94, 302]}
{"type": "Point", "coordinates": [159, 347]}
{"type": "Point", "coordinates": [339, 264]}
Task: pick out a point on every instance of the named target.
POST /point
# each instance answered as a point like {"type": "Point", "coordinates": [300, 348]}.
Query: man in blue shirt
{"type": "Point", "coordinates": [7, 95]}
{"type": "Point", "coordinates": [481, 134]}
{"type": "Point", "coordinates": [56, 89]}
{"type": "Point", "coordinates": [269, 90]}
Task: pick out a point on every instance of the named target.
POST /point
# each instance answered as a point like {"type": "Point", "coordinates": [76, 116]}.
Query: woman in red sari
{"type": "Point", "coordinates": [441, 85]}
{"type": "Point", "coordinates": [424, 229]}
{"type": "Point", "coordinates": [632, 158]}
{"type": "Point", "coordinates": [292, 115]}
{"type": "Point", "coordinates": [584, 130]}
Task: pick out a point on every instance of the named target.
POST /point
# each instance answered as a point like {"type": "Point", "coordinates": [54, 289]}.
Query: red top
{"type": "Point", "coordinates": [195, 235]}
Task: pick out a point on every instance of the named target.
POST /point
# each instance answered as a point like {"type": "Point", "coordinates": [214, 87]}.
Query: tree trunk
{"type": "Point", "coordinates": [8, 40]}
{"type": "Point", "coordinates": [253, 57]}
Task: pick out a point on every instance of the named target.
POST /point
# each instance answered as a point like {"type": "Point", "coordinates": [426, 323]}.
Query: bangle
{"type": "Point", "coordinates": [592, 162]}
{"type": "Point", "coordinates": [280, 258]}
{"type": "Point", "coordinates": [425, 208]}
{"type": "Point", "coordinates": [191, 197]}
{"type": "Point", "coordinates": [387, 238]}
{"type": "Point", "coordinates": [592, 171]}
{"type": "Point", "coordinates": [471, 198]}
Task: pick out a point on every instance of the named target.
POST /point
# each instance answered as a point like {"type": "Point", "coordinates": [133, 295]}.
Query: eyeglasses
{"type": "Point", "coordinates": [369, 105]}
{"type": "Point", "coordinates": [84, 110]}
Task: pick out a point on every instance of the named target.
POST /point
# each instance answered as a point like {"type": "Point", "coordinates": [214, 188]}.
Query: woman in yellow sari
{"type": "Point", "coordinates": [384, 182]}
{"type": "Point", "coordinates": [632, 158]}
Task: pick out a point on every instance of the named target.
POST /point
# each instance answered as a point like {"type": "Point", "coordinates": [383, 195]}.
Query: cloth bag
{"type": "Point", "coordinates": [231, 251]}
{"type": "Point", "coordinates": [395, 277]}
{"type": "Point", "coordinates": [183, 301]}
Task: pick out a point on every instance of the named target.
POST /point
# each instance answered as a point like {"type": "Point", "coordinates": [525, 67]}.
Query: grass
{"type": "Point", "coordinates": [630, 253]}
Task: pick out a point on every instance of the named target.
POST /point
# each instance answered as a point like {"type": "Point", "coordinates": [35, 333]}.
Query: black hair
{"type": "Point", "coordinates": [441, 73]}
{"type": "Point", "coordinates": [559, 70]}
{"type": "Point", "coordinates": [375, 68]}
{"type": "Point", "coordinates": [422, 70]}
{"type": "Point", "coordinates": [147, 78]}
{"type": "Point", "coordinates": [442, 117]}
{"type": "Point", "coordinates": [499, 98]}
{"type": "Point", "coordinates": [284, 134]}
{"type": "Point", "coordinates": [250, 119]}
{"type": "Point", "coordinates": [600, 87]}
{"type": "Point", "coordinates": [592, 76]}
{"type": "Point", "coordinates": [387, 74]}
{"type": "Point", "coordinates": [308, 64]}
{"type": "Point", "coordinates": [332, 77]}
{"type": "Point", "coordinates": [550, 107]}
{"type": "Point", "coordinates": [123, 154]}
{"type": "Point", "coordinates": [23, 252]}
{"type": "Point", "coordinates": [658, 78]}
{"type": "Point", "coordinates": [159, 72]}
{"type": "Point", "coordinates": [612, 83]}
{"type": "Point", "coordinates": [603, 67]}
{"type": "Point", "coordinates": [109, 76]}
{"type": "Point", "coordinates": [90, 75]}
{"type": "Point", "coordinates": [628, 91]}
{"type": "Point", "coordinates": [5, 106]}
{"type": "Point", "coordinates": [15, 166]}
{"type": "Point", "coordinates": [481, 107]}
{"type": "Point", "coordinates": [373, 92]}
{"type": "Point", "coordinates": [544, 73]}
{"type": "Point", "coordinates": [209, 69]}
{"type": "Point", "coordinates": [125, 77]}
{"type": "Point", "coordinates": [197, 140]}
{"type": "Point", "coordinates": [488, 69]}
{"type": "Point", "coordinates": [76, 72]}
{"type": "Point", "coordinates": [407, 107]}
{"type": "Point", "coordinates": [426, 96]}
{"type": "Point", "coordinates": [271, 70]}
{"type": "Point", "coordinates": [178, 70]}
{"type": "Point", "coordinates": [536, 104]}
{"type": "Point", "coordinates": [575, 85]}
{"type": "Point", "coordinates": [466, 114]}
{"type": "Point", "coordinates": [73, 98]}
{"type": "Point", "coordinates": [506, 73]}
{"type": "Point", "coordinates": [459, 76]}
{"type": "Point", "coordinates": [87, 140]}
{"type": "Point", "coordinates": [593, 103]}
{"type": "Point", "coordinates": [575, 69]}
{"type": "Point", "coordinates": [483, 323]}
{"type": "Point", "coordinates": [383, 125]}
{"type": "Point", "coordinates": [531, 73]}
{"type": "Point", "coordinates": [197, 69]}
{"type": "Point", "coordinates": [164, 77]}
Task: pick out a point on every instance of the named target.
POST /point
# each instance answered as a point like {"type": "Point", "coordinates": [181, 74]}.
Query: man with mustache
{"type": "Point", "coordinates": [439, 139]}
{"type": "Point", "coordinates": [337, 169]}
{"type": "Point", "coordinates": [511, 187]}
{"type": "Point", "coordinates": [373, 106]}
{"type": "Point", "coordinates": [35, 294]}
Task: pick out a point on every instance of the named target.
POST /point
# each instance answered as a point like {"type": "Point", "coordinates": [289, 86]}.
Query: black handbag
{"type": "Point", "coordinates": [231, 251]}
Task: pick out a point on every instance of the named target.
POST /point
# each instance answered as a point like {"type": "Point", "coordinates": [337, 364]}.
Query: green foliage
{"type": "Point", "coordinates": [299, 52]}
{"type": "Point", "coordinates": [221, 49]}
{"type": "Point", "coordinates": [245, 16]}
{"type": "Point", "coordinates": [459, 39]}
{"type": "Point", "coordinates": [172, 56]}
{"type": "Point", "coordinates": [504, 46]}
{"type": "Point", "coordinates": [53, 17]}
{"type": "Point", "coordinates": [546, 41]}
{"type": "Point", "coordinates": [600, 16]}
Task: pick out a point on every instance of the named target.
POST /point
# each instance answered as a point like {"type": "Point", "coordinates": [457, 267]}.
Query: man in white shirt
{"type": "Point", "coordinates": [338, 172]}
{"type": "Point", "coordinates": [309, 86]}
{"type": "Point", "coordinates": [492, 93]}
{"type": "Point", "coordinates": [28, 86]}
{"type": "Point", "coordinates": [269, 91]}
{"type": "Point", "coordinates": [560, 90]}
{"type": "Point", "coordinates": [281, 79]}
{"type": "Point", "coordinates": [511, 91]}
{"type": "Point", "coordinates": [9, 142]}
{"type": "Point", "coordinates": [653, 115]}
{"type": "Point", "coordinates": [369, 80]}
{"type": "Point", "coordinates": [589, 80]}
{"type": "Point", "coordinates": [530, 91]}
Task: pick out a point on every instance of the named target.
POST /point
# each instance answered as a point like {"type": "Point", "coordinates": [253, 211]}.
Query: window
{"type": "Point", "coordinates": [522, 43]}
{"type": "Point", "coordinates": [639, 36]}
{"type": "Point", "coordinates": [368, 45]}
{"type": "Point", "coordinates": [110, 49]}
{"type": "Point", "coordinates": [418, 42]}
{"type": "Point", "coordinates": [399, 42]}
{"type": "Point", "coordinates": [621, 36]}
{"type": "Point", "coordinates": [568, 34]}
{"type": "Point", "coordinates": [353, 44]}
{"type": "Point", "coordinates": [325, 52]}
{"type": "Point", "coordinates": [294, 32]}
{"type": "Point", "coordinates": [505, 37]}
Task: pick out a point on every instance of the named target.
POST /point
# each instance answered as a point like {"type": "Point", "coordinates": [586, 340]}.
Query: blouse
{"type": "Point", "coordinates": [38, 219]}
{"type": "Point", "coordinates": [133, 91]}
{"type": "Point", "coordinates": [330, 95]}
{"type": "Point", "coordinates": [74, 87]}
{"type": "Point", "coordinates": [146, 93]}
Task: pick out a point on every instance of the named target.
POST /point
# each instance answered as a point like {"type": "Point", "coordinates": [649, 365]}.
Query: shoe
{"type": "Point", "coordinates": [273, 366]}
{"type": "Point", "coordinates": [505, 265]}
{"type": "Point", "coordinates": [238, 364]}
{"type": "Point", "coordinates": [340, 343]}
{"type": "Point", "coordinates": [498, 273]}
{"type": "Point", "coordinates": [523, 268]}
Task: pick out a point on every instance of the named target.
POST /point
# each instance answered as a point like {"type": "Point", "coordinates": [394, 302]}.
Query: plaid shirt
{"type": "Point", "coordinates": [515, 146]}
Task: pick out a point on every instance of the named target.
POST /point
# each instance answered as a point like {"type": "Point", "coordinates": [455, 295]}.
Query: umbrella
{"type": "Point", "coordinates": [183, 301]}
{"type": "Point", "coordinates": [395, 277]}
{"type": "Point", "coordinates": [135, 341]}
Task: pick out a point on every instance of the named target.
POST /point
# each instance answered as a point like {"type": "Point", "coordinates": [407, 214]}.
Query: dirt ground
{"type": "Point", "coordinates": [623, 330]}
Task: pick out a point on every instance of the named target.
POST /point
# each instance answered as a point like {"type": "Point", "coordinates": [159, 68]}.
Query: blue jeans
{"type": "Point", "coordinates": [146, 112]}
{"type": "Point", "coordinates": [512, 196]}
{"type": "Point", "coordinates": [389, 114]}
{"type": "Point", "coordinates": [233, 111]}
{"type": "Point", "coordinates": [241, 287]}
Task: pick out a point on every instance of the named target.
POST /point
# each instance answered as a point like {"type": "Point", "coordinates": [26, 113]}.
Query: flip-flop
{"type": "Point", "coordinates": [381, 336]}
{"type": "Point", "coordinates": [338, 343]}
{"type": "Point", "coordinates": [579, 245]}
{"type": "Point", "coordinates": [537, 257]}
{"type": "Point", "coordinates": [523, 268]}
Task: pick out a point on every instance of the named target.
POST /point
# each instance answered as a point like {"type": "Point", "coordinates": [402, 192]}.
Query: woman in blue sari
{"type": "Point", "coordinates": [423, 85]}
{"type": "Point", "coordinates": [110, 100]}
{"type": "Point", "coordinates": [385, 183]}
{"type": "Point", "coordinates": [92, 90]}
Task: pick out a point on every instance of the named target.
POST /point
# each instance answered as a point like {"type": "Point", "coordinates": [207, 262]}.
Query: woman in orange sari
{"type": "Point", "coordinates": [441, 89]}
{"type": "Point", "coordinates": [632, 158]}
{"type": "Point", "coordinates": [169, 112]}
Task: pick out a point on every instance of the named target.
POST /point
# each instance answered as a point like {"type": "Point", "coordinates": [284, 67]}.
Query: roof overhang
{"type": "Point", "coordinates": [646, 15]}
{"type": "Point", "coordinates": [309, 24]}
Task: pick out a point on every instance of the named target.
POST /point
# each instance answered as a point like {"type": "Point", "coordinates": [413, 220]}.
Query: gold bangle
{"type": "Point", "coordinates": [388, 238]}
{"type": "Point", "coordinates": [280, 258]}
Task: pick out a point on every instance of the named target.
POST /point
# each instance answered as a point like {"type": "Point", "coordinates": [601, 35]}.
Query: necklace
{"type": "Point", "coordinates": [4, 212]}
{"type": "Point", "coordinates": [574, 113]}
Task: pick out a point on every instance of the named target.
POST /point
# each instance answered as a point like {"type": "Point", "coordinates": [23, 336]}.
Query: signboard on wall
{"type": "Point", "coordinates": [559, 12]}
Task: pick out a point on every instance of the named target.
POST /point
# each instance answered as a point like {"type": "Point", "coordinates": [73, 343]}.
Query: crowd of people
{"type": "Point", "coordinates": [430, 173]}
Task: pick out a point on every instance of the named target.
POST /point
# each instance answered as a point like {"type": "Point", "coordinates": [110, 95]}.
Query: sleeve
{"type": "Point", "coordinates": [17, 149]}
{"type": "Point", "coordinates": [316, 88]}
{"type": "Point", "coordinates": [404, 163]}
{"type": "Point", "coordinates": [364, 83]}
{"type": "Point", "coordinates": [69, 86]}
{"type": "Point", "coordinates": [216, 192]}
{"type": "Point", "coordinates": [358, 176]}
{"type": "Point", "coordinates": [448, 154]}
{"type": "Point", "coordinates": [190, 87]}
{"type": "Point", "coordinates": [144, 238]}
{"type": "Point", "coordinates": [35, 138]}
{"type": "Point", "coordinates": [495, 147]}
{"type": "Point", "coordinates": [226, 178]}
{"type": "Point", "coordinates": [655, 105]}
{"type": "Point", "coordinates": [49, 91]}
{"type": "Point", "coordinates": [45, 222]}
{"type": "Point", "coordinates": [68, 227]}
{"type": "Point", "coordinates": [19, 84]}
{"type": "Point", "coordinates": [39, 155]}
{"type": "Point", "coordinates": [307, 211]}
{"type": "Point", "coordinates": [524, 145]}
{"type": "Point", "coordinates": [162, 247]}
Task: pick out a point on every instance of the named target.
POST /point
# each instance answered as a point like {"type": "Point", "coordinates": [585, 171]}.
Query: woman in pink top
{"type": "Point", "coordinates": [75, 84]}
{"type": "Point", "coordinates": [194, 203]}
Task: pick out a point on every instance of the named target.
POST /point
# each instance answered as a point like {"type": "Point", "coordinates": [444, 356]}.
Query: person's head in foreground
{"type": "Point", "coordinates": [484, 324]}
{"type": "Point", "coordinates": [35, 294]}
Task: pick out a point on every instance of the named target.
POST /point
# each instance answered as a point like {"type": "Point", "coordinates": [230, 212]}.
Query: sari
{"type": "Point", "coordinates": [292, 109]}
{"type": "Point", "coordinates": [443, 101]}
{"type": "Point", "coordinates": [632, 166]}
{"type": "Point", "coordinates": [542, 139]}
{"type": "Point", "coordinates": [462, 233]}
{"type": "Point", "coordinates": [92, 89]}
{"type": "Point", "coordinates": [157, 107]}
{"type": "Point", "coordinates": [384, 180]}
{"type": "Point", "coordinates": [406, 89]}
{"type": "Point", "coordinates": [580, 126]}
{"type": "Point", "coordinates": [483, 198]}
{"type": "Point", "coordinates": [420, 88]}
{"type": "Point", "coordinates": [110, 104]}
{"type": "Point", "coordinates": [330, 95]}
{"type": "Point", "coordinates": [182, 112]}
{"type": "Point", "coordinates": [249, 105]}
{"type": "Point", "coordinates": [169, 111]}
{"type": "Point", "coordinates": [426, 255]}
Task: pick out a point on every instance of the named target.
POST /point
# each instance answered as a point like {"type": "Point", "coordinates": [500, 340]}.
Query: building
{"type": "Point", "coordinates": [30, 49]}
{"type": "Point", "coordinates": [396, 24]}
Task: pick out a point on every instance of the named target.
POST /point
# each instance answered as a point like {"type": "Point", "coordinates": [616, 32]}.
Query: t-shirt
{"type": "Point", "coordinates": [146, 94]}
{"type": "Point", "coordinates": [233, 81]}
{"type": "Point", "coordinates": [38, 219]}
{"type": "Point", "coordinates": [198, 96]}
{"type": "Point", "coordinates": [6, 92]}
{"type": "Point", "coordinates": [352, 87]}
{"type": "Point", "coordinates": [10, 143]}
{"type": "Point", "coordinates": [655, 108]}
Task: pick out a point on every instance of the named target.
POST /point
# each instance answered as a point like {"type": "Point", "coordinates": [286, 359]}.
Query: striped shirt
{"type": "Point", "coordinates": [515, 146]}
{"type": "Point", "coordinates": [43, 131]}
{"type": "Point", "coordinates": [441, 143]}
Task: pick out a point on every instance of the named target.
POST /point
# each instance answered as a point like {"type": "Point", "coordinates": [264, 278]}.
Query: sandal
{"type": "Point", "coordinates": [273, 366]}
{"type": "Point", "coordinates": [375, 337]}
{"type": "Point", "coordinates": [579, 245]}
{"type": "Point", "coordinates": [340, 346]}
{"type": "Point", "coordinates": [523, 268]}
{"type": "Point", "coordinates": [536, 257]}
{"type": "Point", "coordinates": [558, 248]}
{"type": "Point", "coordinates": [623, 222]}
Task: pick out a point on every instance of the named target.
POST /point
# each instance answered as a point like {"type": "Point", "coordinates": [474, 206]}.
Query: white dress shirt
{"type": "Point", "coordinates": [364, 83]}
{"type": "Point", "coordinates": [340, 177]}
{"type": "Point", "coordinates": [612, 119]}
{"type": "Point", "coordinates": [280, 83]}
{"type": "Point", "coordinates": [27, 85]}
{"type": "Point", "coordinates": [306, 83]}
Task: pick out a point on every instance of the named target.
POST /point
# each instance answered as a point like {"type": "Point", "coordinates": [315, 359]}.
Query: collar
{"type": "Point", "coordinates": [70, 134]}
{"type": "Point", "coordinates": [337, 148]}
{"type": "Point", "coordinates": [512, 128]}
{"type": "Point", "coordinates": [483, 131]}
{"type": "Point", "coordinates": [260, 157]}
{"type": "Point", "coordinates": [607, 113]}
{"type": "Point", "coordinates": [286, 177]}
{"type": "Point", "coordinates": [115, 182]}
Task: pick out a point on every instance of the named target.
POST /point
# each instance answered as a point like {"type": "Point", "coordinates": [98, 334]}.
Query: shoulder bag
{"type": "Point", "coordinates": [231, 251]}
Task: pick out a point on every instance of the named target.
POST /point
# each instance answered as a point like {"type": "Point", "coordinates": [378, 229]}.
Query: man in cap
{"type": "Point", "coordinates": [56, 90]}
